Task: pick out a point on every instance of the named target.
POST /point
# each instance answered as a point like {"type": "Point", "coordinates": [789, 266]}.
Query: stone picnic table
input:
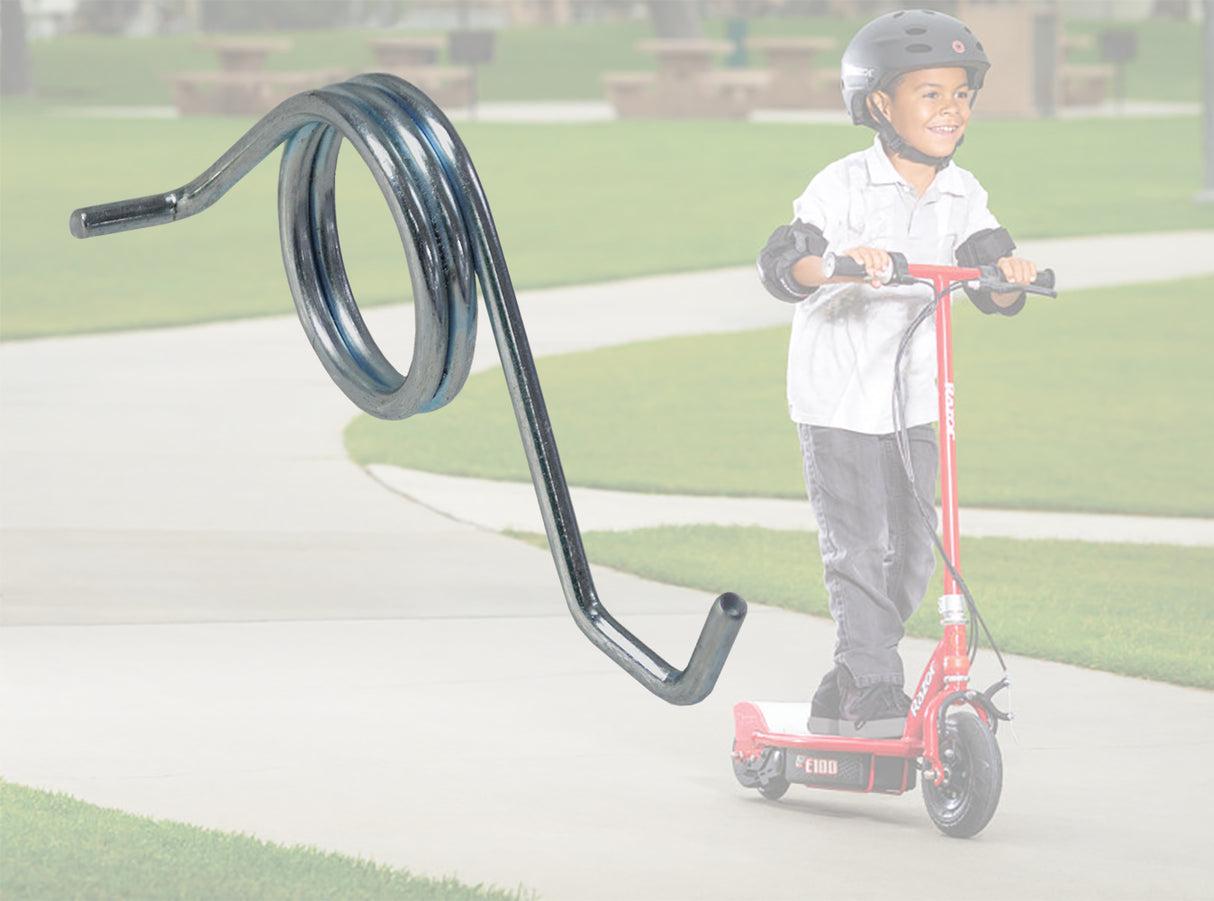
{"type": "Point", "coordinates": [796, 81]}
{"type": "Point", "coordinates": [686, 83]}
{"type": "Point", "coordinates": [242, 86]}
{"type": "Point", "coordinates": [398, 53]}
{"type": "Point", "coordinates": [244, 54]}
{"type": "Point", "coordinates": [417, 61]}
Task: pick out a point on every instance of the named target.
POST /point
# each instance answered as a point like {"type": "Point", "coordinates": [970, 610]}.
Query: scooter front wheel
{"type": "Point", "coordinates": [964, 803]}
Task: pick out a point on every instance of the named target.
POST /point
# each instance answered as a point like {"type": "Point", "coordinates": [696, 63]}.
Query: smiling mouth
{"type": "Point", "coordinates": [944, 130]}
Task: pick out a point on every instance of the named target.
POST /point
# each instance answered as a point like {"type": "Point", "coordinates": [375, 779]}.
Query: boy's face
{"type": "Point", "coordinates": [929, 108]}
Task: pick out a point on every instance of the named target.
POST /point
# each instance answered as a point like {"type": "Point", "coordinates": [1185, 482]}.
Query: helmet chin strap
{"type": "Point", "coordinates": [896, 144]}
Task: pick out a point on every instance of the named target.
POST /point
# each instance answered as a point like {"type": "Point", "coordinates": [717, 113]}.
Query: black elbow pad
{"type": "Point", "coordinates": [986, 248]}
{"type": "Point", "coordinates": [787, 244]}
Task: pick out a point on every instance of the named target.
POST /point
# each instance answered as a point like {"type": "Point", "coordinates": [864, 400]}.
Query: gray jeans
{"type": "Point", "coordinates": [876, 551]}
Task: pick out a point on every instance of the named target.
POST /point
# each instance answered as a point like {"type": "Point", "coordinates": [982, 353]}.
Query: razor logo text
{"type": "Point", "coordinates": [950, 416]}
{"type": "Point", "coordinates": [924, 687]}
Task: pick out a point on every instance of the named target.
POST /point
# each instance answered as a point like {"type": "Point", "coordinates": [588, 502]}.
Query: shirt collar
{"type": "Point", "coordinates": [882, 172]}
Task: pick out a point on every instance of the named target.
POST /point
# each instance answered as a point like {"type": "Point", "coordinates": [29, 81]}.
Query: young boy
{"type": "Point", "coordinates": [911, 76]}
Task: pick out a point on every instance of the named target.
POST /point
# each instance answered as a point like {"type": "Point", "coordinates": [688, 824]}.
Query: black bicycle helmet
{"type": "Point", "coordinates": [896, 43]}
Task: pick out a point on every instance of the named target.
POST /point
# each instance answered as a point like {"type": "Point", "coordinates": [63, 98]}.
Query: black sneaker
{"type": "Point", "coordinates": [874, 711]}
{"type": "Point", "coordinates": [824, 708]}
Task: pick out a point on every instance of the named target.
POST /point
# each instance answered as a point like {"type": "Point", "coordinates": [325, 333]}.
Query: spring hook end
{"type": "Point", "coordinates": [124, 215]}
{"type": "Point", "coordinates": [716, 640]}
{"type": "Point", "coordinates": [731, 606]}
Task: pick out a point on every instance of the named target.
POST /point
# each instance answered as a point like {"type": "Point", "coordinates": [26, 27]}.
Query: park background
{"type": "Point", "coordinates": [1116, 377]}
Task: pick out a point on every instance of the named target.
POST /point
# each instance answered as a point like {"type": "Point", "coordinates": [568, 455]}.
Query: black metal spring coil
{"type": "Point", "coordinates": [440, 210]}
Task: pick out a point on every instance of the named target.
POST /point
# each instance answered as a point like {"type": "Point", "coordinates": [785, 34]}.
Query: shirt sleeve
{"type": "Point", "coordinates": [823, 204]}
{"type": "Point", "coordinates": [978, 214]}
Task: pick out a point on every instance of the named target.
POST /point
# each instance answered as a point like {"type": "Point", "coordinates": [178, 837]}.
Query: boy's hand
{"type": "Point", "coordinates": [1018, 270]}
{"type": "Point", "coordinates": [876, 262]}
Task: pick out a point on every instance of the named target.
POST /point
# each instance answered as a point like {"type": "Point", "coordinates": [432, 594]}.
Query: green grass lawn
{"type": "Point", "coordinates": [56, 847]}
{"type": "Point", "coordinates": [574, 204]}
{"type": "Point", "coordinates": [1138, 610]}
{"type": "Point", "coordinates": [1073, 405]}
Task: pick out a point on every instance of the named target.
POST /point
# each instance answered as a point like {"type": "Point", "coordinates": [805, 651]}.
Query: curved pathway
{"type": "Point", "coordinates": [210, 614]}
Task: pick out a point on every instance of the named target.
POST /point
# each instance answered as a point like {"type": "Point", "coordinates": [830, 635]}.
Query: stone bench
{"type": "Point", "coordinates": [249, 93]}
{"type": "Point", "coordinates": [797, 81]}
{"type": "Point", "coordinates": [818, 90]}
{"type": "Point", "coordinates": [718, 93]}
{"type": "Point", "coordinates": [629, 93]}
{"type": "Point", "coordinates": [1084, 85]}
{"type": "Point", "coordinates": [736, 90]}
{"type": "Point", "coordinates": [451, 87]}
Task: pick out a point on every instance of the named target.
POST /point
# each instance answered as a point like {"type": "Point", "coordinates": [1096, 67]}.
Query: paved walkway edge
{"type": "Point", "coordinates": [504, 506]}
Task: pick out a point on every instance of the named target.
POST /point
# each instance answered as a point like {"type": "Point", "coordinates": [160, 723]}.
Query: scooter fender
{"type": "Point", "coordinates": [934, 719]}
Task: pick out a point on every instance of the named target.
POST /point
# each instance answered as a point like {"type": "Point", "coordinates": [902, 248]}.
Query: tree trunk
{"type": "Point", "coordinates": [1171, 9]}
{"type": "Point", "coordinates": [15, 73]}
{"type": "Point", "coordinates": [676, 18]}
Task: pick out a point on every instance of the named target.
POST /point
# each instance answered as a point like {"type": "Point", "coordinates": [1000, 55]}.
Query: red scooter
{"type": "Point", "coordinates": [949, 736]}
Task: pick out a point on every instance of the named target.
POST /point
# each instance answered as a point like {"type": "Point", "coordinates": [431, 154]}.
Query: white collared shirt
{"type": "Point", "coordinates": [845, 337]}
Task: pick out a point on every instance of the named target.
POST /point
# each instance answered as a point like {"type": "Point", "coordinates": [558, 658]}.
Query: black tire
{"type": "Point", "coordinates": [963, 805]}
{"type": "Point", "coordinates": [774, 788]}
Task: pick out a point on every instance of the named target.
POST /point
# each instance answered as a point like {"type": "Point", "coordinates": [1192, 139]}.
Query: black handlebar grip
{"type": "Point", "coordinates": [843, 266]}
{"type": "Point", "coordinates": [1044, 279]}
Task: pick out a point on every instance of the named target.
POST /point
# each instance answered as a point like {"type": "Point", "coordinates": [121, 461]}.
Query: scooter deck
{"type": "Point", "coordinates": [772, 741]}
{"type": "Point", "coordinates": [784, 724]}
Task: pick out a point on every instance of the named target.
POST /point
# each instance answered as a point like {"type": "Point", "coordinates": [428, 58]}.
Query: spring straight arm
{"type": "Point", "coordinates": [450, 241]}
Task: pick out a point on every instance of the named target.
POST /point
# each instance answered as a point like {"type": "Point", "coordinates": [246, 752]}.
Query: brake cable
{"type": "Point", "coordinates": [898, 412]}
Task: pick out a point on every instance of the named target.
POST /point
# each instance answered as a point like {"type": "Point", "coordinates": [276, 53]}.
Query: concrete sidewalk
{"type": "Point", "coordinates": [210, 614]}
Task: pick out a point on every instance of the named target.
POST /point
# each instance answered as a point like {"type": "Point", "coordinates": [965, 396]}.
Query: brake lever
{"type": "Point", "coordinates": [992, 279]}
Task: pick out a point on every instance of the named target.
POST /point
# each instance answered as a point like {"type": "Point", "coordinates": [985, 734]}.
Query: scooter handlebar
{"type": "Point", "coordinates": [843, 266]}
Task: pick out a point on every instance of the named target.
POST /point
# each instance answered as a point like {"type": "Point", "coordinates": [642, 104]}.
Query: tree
{"type": "Point", "coordinates": [1206, 195]}
{"type": "Point", "coordinates": [676, 18]}
{"type": "Point", "coordinates": [1170, 9]}
{"type": "Point", "coordinates": [272, 15]}
{"type": "Point", "coordinates": [15, 73]}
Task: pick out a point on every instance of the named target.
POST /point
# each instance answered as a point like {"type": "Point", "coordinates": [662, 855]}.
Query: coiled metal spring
{"type": "Point", "coordinates": [450, 241]}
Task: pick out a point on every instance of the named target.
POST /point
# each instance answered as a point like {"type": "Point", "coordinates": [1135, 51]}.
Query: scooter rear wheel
{"type": "Point", "coordinates": [965, 802]}
{"type": "Point", "coordinates": [773, 789]}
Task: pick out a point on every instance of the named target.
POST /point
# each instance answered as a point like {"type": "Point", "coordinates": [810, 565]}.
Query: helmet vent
{"type": "Point", "coordinates": [916, 30]}
{"type": "Point", "coordinates": [919, 48]}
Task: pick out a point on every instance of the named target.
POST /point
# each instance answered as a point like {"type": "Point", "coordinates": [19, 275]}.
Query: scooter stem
{"type": "Point", "coordinates": [949, 505]}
